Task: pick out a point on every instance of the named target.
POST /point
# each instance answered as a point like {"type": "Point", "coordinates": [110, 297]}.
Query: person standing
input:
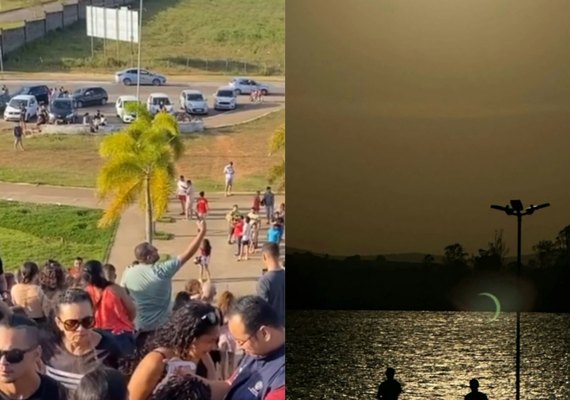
{"type": "Point", "coordinates": [189, 202]}
{"type": "Point", "coordinates": [181, 193]}
{"type": "Point", "coordinates": [475, 393]}
{"type": "Point", "coordinates": [18, 137]}
{"type": "Point", "coordinates": [238, 234]}
{"type": "Point", "coordinates": [23, 116]}
{"type": "Point", "coordinates": [232, 217]}
{"type": "Point", "coordinates": [202, 206]}
{"type": "Point", "coordinates": [256, 206]}
{"type": "Point", "coordinates": [245, 239]}
{"type": "Point", "coordinates": [271, 285]}
{"type": "Point", "coordinates": [268, 202]}
{"type": "Point", "coordinates": [229, 173]}
{"type": "Point", "coordinates": [390, 389]}
{"type": "Point", "coordinates": [21, 352]}
{"type": "Point", "coordinates": [150, 283]}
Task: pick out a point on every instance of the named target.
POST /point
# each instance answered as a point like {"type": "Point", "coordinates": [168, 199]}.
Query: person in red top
{"type": "Point", "coordinates": [256, 202]}
{"type": "Point", "coordinates": [238, 234]}
{"type": "Point", "coordinates": [202, 206]}
{"type": "Point", "coordinates": [114, 309]}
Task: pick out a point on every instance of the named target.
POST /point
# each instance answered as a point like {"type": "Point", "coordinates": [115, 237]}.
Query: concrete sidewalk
{"type": "Point", "coordinates": [227, 273]}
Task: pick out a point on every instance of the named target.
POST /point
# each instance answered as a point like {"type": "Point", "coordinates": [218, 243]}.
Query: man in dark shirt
{"type": "Point", "coordinates": [257, 330]}
{"type": "Point", "coordinates": [390, 389]}
{"type": "Point", "coordinates": [18, 135]}
{"type": "Point", "coordinates": [19, 355]}
{"type": "Point", "coordinates": [271, 285]}
{"type": "Point", "coordinates": [475, 393]}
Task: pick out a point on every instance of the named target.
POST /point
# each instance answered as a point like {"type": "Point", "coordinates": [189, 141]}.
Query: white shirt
{"type": "Point", "coordinates": [229, 170]}
{"type": "Point", "coordinates": [181, 188]}
{"type": "Point", "coordinates": [246, 231]}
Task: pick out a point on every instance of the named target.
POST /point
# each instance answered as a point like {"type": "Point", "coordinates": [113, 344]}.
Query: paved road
{"type": "Point", "coordinates": [29, 13]}
{"type": "Point", "coordinates": [227, 273]}
{"type": "Point", "coordinates": [245, 110]}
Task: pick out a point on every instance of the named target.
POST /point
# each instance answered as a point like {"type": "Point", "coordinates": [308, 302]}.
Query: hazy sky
{"type": "Point", "coordinates": [407, 119]}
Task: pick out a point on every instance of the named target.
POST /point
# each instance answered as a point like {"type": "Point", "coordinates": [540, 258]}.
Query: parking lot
{"type": "Point", "coordinates": [244, 111]}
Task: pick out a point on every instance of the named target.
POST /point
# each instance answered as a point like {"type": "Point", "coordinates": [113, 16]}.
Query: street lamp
{"type": "Point", "coordinates": [516, 208]}
{"type": "Point", "coordinates": [139, 55]}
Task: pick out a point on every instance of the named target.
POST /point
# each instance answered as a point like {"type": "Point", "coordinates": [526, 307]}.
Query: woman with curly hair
{"type": "Point", "coordinates": [178, 348]}
{"type": "Point", "coordinates": [183, 387]}
{"type": "Point", "coordinates": [52, 282]}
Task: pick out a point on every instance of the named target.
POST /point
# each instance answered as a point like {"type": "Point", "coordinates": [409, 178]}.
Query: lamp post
{"type": "Point", "coordinates": [139, 55]}
{"type": "Point", "coordinates": [516, 208]}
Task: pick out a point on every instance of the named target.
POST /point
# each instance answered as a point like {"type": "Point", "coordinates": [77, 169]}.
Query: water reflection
{"type": "Point", "coordinates": [344, 354]}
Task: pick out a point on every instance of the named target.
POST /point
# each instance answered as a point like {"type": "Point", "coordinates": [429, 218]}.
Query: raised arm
{"type": "Point", "coordinates": [195, 244]}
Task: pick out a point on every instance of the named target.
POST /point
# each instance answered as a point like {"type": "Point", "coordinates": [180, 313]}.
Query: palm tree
{"type": "Point", "coordinates": [277, 143]}
{"type": "Point", "coordinates": [139, 166]}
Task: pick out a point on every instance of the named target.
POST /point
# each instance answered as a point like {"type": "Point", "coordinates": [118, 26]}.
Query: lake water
{"type": "Point", "coordinates": [343, 354]}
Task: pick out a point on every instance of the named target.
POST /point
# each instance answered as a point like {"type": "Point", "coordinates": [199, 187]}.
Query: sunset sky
{"type": "Point", "coordinates": [407, 119]}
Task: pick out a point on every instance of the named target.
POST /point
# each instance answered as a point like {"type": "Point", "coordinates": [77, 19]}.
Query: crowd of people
{"type": "Point", "coordinates": [75, 333]}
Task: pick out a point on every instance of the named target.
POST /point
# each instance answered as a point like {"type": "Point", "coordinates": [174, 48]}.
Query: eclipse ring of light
{"type": "Point", "coordinates": [497, 304]}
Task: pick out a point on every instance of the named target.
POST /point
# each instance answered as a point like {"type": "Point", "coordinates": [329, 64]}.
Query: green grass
{"type": "Point", "coordinates": [158, 235]}
{"type": "Point", "coordinates": [73, 160]}
{"type": "Point", "coordinates": [222, 36]}
{"type": "Point", "coordinates": [38, 232]}
{"type": "Point", "coordinates": [7, 5]}
{"type": "Point", "coordinates": [11, 25]}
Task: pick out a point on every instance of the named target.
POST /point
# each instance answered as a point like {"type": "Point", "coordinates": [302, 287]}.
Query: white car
{"type": "Point", "coordinates": [225, 99]}
{"type": "Point", "coordinates": [155, 100]}
{"type": "Point", "coordinates": [121, 108]}
{"type": "Point", "coordinates": [247, 85]}
{"type": "Point", "coordinates": [13, 108]}
{"type": "Point", "coordinates": [193, 102]}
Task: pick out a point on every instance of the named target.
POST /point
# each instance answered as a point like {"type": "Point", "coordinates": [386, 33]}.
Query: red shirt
{"type": "Point", "coordinates": [238, 228]}
{"type": "Point", "coordinates": [256, 203]}
{"type": "Point", "coordinates": [202, 205]}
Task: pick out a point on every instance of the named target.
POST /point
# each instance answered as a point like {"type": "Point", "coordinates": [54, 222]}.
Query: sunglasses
{"type": "Point", "coordinates": [213, 317]}
{"type": "Point", "coordinates": [72, 325]}
{"type": "Point", "coordinates": [14, 356]}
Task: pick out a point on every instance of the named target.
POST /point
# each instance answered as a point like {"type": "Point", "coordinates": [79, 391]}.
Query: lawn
{"type": "Point", "coordinates": [73, 160]}
{"type": "Point", "coordinates": [7, 5]}
{"type": "Point", "coordinates": [245, 37]}
{"type": "Point", "coordinates": [38, 232]}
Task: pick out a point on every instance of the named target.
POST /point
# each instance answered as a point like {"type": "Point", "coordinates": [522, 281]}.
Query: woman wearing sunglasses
{"type": "Point", "coordinates": [114, 309]}
{"type": "Point", "coordinates": [75, 348]}
{"type": "Point", "coordinates": [177, 349]}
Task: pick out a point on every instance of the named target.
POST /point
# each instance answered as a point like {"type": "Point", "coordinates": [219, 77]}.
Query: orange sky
{"type": "Point", "coordinates": [407, 119]}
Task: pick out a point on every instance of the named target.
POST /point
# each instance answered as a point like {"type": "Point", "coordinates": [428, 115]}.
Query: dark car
{"type": "Point", "coordinates": [4, 99]}
{"type": "Point", "coordinates": [62, 110]}
{"type": "Point", "coordinates": [40, 92]}
{"type": "Point", "coordinates": [90, 96]}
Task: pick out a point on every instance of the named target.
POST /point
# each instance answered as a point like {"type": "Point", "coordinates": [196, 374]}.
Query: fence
{"type": "Point", "coordinates": [14, 38]}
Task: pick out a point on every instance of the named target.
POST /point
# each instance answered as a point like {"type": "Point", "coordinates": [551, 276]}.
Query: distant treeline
{"type": "Point", "coordinates": [455, 283]}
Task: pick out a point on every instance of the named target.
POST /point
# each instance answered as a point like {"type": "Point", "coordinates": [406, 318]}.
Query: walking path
{"type": "Point", "coordinates": [228, 274]}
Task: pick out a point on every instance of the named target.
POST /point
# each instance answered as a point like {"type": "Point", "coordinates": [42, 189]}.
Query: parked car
{"type": "Point", "coordinates": [40, 92]}
{"type": "Point", "coordinates": [194, 102]}
{"type": "Point", "coordinates": [90, 96]}
{"type": "Point", "coordinates": [225, 98]}
{"type": "Point", "coordinates": [155, 100]}
{"type": "Point", "coordinates": [4, 100]}
{"type": "Point", "coordinates": [247, 85]}
{"type": "Point", "coordinates": [129, 77]}
{"type": "Point", "coordinates": [62, 110]}
{"type": "Point", "coordinates": [121, 106]}
{"type": "Point", "coordinates": [13, 109]}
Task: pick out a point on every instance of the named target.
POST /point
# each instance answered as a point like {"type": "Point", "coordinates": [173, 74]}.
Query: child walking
{"type": "Point", "coordinates": [204, 260]}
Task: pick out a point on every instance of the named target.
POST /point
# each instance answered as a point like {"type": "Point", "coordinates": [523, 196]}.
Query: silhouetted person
{"type": "Point", "coordinates": [475, 393]}
{"type": "Point", "coordinates": [390, 389]}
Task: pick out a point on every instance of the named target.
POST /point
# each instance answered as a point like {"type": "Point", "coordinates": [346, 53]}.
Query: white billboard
{"type": "Point", "coordinates": [113, 23]}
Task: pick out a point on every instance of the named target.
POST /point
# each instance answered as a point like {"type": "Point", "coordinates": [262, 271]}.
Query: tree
{"type": "Point", "coordinates": [277, 144]}
{"type": "Point", "coordinates": [139, 166]}
{"type": "Point", "coordinates": [546, 253]}
{"type": "Point", "coordinates": [454, 254]}
{"type": "Point", "coordinates": [492, 258]}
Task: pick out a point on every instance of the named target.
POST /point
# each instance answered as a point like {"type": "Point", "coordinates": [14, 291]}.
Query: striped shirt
{"type": "Point", "coordinates": [68, 369]}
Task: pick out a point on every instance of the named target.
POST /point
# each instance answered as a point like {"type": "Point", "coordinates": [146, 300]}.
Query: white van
{"type": "Point", "coordinates": [155, 100]}
{"type": "Point", "coordinates": [14, 106]}
{"type": "Point", "coordinates": [121, 108]}
{"type": "Point", "coordinates": [194, 102]}
{"type": "Point", "coordinates": [225, 98]}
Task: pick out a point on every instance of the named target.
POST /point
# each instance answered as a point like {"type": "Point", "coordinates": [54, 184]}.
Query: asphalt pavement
{"type": "Point", "coordinates": [244, 111]}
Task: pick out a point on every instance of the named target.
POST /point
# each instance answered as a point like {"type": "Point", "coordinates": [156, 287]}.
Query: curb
{"type": "Point", "coordinates": [247, 121]}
